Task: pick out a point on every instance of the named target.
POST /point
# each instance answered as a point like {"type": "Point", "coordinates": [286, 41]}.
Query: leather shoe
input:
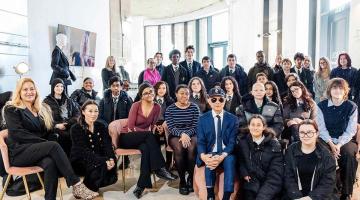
{"type": "Point", "coordinates": [163, 173]}
{"type": "Point", "coordinates": [138, 192]}
{"type": "Point", "coordinates": [183, 190]}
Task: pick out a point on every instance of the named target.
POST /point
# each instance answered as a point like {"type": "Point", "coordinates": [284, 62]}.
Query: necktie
{"type": "Point", "coordinates": [196, 96]}
{"type": "Point", "coordinates": [160, 101]}
{"type": "Point", "coordinates": [176, 68]}
{"type": "Point", "coordinates": [190, 68]}
{"type": "Point", "coordinates": [231, 71]}
{"type": "Point", "coordinates": [115, 99]}
{"type": "Point", "coordinates": [219, 135]}
{"type": "Point", "coordinates": [229, 98]}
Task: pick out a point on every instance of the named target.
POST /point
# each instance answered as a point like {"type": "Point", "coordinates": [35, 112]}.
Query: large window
{"type": "Point", "coordinates": [166, 43]}
{"type": "Point", "coordinates": [151, 41]}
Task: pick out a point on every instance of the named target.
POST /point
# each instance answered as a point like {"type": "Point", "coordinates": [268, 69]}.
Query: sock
{"type": "Point", "coordinates": [227, 195]}
{"type": "Point", "coordinates": [210, 192]}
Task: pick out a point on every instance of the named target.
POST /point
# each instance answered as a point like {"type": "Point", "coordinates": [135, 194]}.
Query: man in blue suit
{"type": "Point", "coordinates": [216, 134]}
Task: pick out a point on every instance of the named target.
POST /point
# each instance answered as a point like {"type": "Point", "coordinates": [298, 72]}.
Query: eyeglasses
{"type": "Point", "coordinates": [220, 99]}
{"type": "Point", "coordinates": [148, 93]}
{"type": "Point", "coordinates": [308, 134]}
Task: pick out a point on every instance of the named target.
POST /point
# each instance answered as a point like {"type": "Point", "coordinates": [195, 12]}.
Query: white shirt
{"type": "Point", "coordinates": [216, 128]}
{"type": "Point", "coordinates": [175, 66]}
{"type": "Point", "coordinates": [259, 141]}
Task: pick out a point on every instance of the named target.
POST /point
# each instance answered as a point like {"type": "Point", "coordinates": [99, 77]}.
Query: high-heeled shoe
{"type": "Point", "coordinates": [138, 192]}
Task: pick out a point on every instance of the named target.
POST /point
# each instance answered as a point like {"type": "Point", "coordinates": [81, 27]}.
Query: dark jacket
{"type": "Point", "coordinates": [239, 75]}
{"type": "Point", "coordinates": [92, 148]}
{"type": "Point", "coordinates": [263, 67]}
{"type": "Point", "coordinates": [106, 106]}
{"type": "Point", "coordinates": [206, 135]}
{"type": "Point", "coordinates": [60, 67]}
{"type": "Point", "coordinates": [196, 66]}
{"type": "Point", "coordinates": [72, 110]}
{"type": "Point", "coordinates": [169, 78]}
{"type": "Point", "coordinates": [24, 129]}
{"type": "Point", "coordinates": [270, 111]}
{"type": "Point", "coordinates": [235, 102]}
{"type": "Point", "coordinates": [106, 75]}
{"type": "Point", "coordinates": [279, 79]}
{"type": "Point", "coordinates": [324, 179]}
{"type": "Point", "coordinates": [307, 78]}
{"type": "Point", "coordinates": [160, 69]}
{"type": "Point", "coordinates": [209, 79]}
{"type": "Point", "coordinates": [350, 75]}
{"type": "Point", "coordinates": [263, 163]}
{"type": "Point", "coordinates": [80, 96]}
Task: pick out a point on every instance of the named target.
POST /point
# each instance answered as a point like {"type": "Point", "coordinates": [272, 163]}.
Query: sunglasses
{"type": "Point", "coordinates": [220, 99]}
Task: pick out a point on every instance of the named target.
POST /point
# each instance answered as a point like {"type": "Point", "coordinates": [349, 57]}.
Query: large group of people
{"type": "Point", "coordinates": [284, 131]}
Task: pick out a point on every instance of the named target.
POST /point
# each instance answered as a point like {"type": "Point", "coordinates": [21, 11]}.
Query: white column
{"type": "Point", "coordinates": [354, 33]}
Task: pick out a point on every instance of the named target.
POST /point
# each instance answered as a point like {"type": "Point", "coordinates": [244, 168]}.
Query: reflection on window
{"type": "Point", "coordinates": [166, 44]}
{"type": "Point", "coordinates": [151, 41]}
{"type": "Point", "coordinates": [179, 37]}
{"type": "Point", "coordinates": [220, 27]}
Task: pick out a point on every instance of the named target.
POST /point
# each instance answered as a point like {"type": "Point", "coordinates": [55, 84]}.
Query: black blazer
{"type": "Point", "coordinates": [106, 106]}
{"type": "Point", "coordinates": [60, 67]}
{"type": "Point", "coordinates": [279, 79]}
{"type": "Point", "coordinates": [209, 79]}
{"type": "Point", "coordinates": [169, 78]}
{"type": "Point", "coordinates": [24, 129]}
{"type": "Point", "coordinates": [307, 78]}
{"type": "Point", "coordinates": [196, 66]}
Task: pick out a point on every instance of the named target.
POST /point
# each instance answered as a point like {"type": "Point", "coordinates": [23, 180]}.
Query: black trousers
{"type": "Point", "coordinates": [348, 166]}
{"type": "Point", "coordinates": [64, 140]}
{"type": "Point", "coordinates": [151, 157]}
{"type": "Point", "coordinates": [51, 157]}
{"type": "Point", "coordinates": [95, 177]}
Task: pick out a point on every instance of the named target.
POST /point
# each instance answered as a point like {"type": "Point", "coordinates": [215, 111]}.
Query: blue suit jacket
{"type": "Point", "coordinates": [206, 135]}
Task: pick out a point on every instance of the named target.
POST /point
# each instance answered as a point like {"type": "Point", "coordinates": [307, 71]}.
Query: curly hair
{"type": "Point", "coordinates": [305, 96]}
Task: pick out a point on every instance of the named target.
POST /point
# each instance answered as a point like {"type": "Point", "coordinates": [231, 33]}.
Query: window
{"type": "Point", "coordinates": [179, 37]}
{"type": "Point", "coordinates": [220, 27]}
{"type": "Point", "coordinates": [166, 43]}
{"type": "Point", "coordinates": [191, 33]}
{"type": "Point", "coordinates": [203, 39]}
{"type": "Point", "coordinates": [151, 41]}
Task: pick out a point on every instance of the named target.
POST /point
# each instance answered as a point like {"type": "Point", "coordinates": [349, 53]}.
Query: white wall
{"type": "Point", "coordinates": [354, 33]}
{"type": "Point", "coordinates": [45, 15]}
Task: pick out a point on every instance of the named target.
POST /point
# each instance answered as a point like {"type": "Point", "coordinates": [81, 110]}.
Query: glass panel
{"type": "Point", "coordinates": [191, 33]}
{"type": "Point", "coordinates": [179, 38]}
{"type": "Point", "coordinates": [166, 44]}
{"type": "Point", "coordinates": [203, 40]}
{"type": "Point", "coordinates": [151, 41]}
{"type": "Point", "coordinates": [220, 27]}
{"type": "Point", "coordinates": [218, 60]}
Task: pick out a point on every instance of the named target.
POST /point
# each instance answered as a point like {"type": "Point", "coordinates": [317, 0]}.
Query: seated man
{"type": "Point", "coordinates": [216, 133]}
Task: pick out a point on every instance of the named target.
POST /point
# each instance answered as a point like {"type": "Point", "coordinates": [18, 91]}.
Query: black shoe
{"type": "Point", "coordinates": [138, 192]}
{"type": "Point", "coordinates": [211, 198]}
{"type": "Point", "coordinates": [189, 185]}
{"type": "Point", "coordinates": [127, 162]}
{"type": "Point", "coordinates": [163, 173]}
{"type": "Point", "coordinates": [173, 175]}
{"type": "Point", "coordinates": [183, 190]}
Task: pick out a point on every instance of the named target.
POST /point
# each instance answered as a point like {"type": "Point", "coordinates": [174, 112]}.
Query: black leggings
{"type": "Point", "coordinates": [151, 157]}
{"type": "Point", "coordinates": [50, 156]}
{"type": "Point", "coordinates": [184, 158]}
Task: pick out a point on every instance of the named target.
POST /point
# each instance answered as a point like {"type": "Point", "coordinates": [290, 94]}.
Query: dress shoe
{"type": "Point", "coordinates": [138, 192]}
{"type": "Point", "coordinates": [163, 173]}
{"type": "Point", "coordinates": [189, 185]}
{"type": "Point", "coordinates": [183, 190]}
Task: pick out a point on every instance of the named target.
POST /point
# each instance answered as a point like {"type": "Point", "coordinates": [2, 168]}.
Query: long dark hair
{"type": "Point", "coordinates": [202, 90]}
{"type": "Point", "coordinates": [276, 94]}
{"type": "Point", "coordinates": [167, 94]}
{"type": "Point", "coordinates": [305, 96]}
{"type": "Point", "coordinates": [234, 82]}
{"type": "Point", "coordinates": [347, 58]}
{"type": "Point", "coordinates": [81, 119]}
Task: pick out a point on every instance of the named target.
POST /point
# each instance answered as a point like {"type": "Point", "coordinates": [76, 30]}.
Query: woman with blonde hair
{"type": "Point", "coordinates": [108, 71]}
{"type": "Point", "coordinates": [29, 123]}
{"type": "Point", "coordinates": [321, 79]}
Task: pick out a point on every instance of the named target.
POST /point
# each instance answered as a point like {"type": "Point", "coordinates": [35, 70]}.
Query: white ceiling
{"type": "Point", "coordinates": [157, 9]}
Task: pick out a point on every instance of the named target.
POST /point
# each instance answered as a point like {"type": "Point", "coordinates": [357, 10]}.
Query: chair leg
{"type": "Point", "coordinates": [60, 190]}
{"type": "Point", "coordinates": [5, 186]}
{"type": "Point", "coordinates": [154, 180]}
{"type": "Point", "coordinates": [123, 171]}
{"type": "Point", "coordinates": [26, 187]}
{"type": "Point", "coordinates": [41, 181]}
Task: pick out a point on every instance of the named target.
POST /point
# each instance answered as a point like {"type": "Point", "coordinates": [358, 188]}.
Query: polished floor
{"type": "Point", "coordinates": [164, 190]}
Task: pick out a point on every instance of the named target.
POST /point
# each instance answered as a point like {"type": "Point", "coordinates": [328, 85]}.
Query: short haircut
{"type": "Point", "coordinates": [190, 47]}
{"type": "Point", "coordinates": [158, 53]}
{"type": "Point", "coordinates": [299, 55]}
{"type": "Point", "coordinates": [181, 86]}
{"type": "Point", "coordinates": [174, 51]}
{"type": "Point", "coordinates": [115, 79]}
{"type": "Point", "coordinates": [286, 60]}
{"type": "Point", "coordinates": [206, 58]}
{"type": "Point", "coordinates": [338, 82]}
{"type": "Point", "coordinates": [261, 74]}
{"type": "Point", "coordinates": [88, 78]}
{"type": "Point", "coordinates": [231, 56]}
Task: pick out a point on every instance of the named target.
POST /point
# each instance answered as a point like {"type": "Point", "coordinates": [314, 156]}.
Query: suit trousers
{"type": "Point", "coordinates": [228, 165]}
{"type": "Point", "coordinates": [51, 157]}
